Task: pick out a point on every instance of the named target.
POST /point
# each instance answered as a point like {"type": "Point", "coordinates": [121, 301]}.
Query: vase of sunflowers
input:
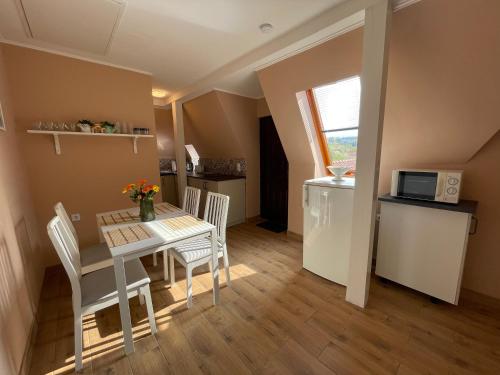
{"type": "Point", "coordinates": [143, 193]}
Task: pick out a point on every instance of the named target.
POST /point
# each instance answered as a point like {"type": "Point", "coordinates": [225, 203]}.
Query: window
{"type": "Point", "coordinates": [335, 111]}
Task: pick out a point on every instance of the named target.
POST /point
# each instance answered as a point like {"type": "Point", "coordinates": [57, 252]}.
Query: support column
{"type": "Point", "coordinates": [373, 80]}
{"type": "Point", "coordinates": [180, 150]}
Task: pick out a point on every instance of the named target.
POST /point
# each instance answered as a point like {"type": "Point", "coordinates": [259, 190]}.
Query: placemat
{"type": "Point", "coordinates": [127, 235]}
{"type": "Point", "coordinates": [182, 222]}
{"type": "Point", "coordinates": [165, 208]}
{"type": "Point", "coordinates": [118, 218]}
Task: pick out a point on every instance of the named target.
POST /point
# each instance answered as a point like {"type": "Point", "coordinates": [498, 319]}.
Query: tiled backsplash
{"type": "Point", "coordinates": [166, 164]}
{"type": "Point", "coordinates": [218, 166]}
{"type": "Point", "coordinates": [224, 166]}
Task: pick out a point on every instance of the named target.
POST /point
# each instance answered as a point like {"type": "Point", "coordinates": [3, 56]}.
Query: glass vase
{"type": "Point", "coordinates": [147, 210]}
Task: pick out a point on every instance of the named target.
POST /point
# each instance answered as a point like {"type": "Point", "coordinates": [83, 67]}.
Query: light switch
{"type": "Point", "coordinates": [75, 217]}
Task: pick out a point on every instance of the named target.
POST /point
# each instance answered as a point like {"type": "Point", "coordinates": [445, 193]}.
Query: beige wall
{"type": "Point", "coordinates": [222, 125]}
{"type": "Point", "coordinates": [90, 173]}
{"type": "Point", "coordinates": [441, 109]}
{"type": "Point", "coordinates": [165, 133]}
{"type": "Point", "coordinates": [21, 266]}
{"type": "Point", "coordinates": [241, 115]}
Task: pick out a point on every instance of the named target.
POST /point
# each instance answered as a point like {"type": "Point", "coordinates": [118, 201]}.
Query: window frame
{"type": "Point", "coordinates": [320, 132]}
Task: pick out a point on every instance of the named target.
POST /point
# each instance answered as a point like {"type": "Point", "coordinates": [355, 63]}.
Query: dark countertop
{"type": "Point", "coordinates": [204, 176]}
{"type": "Point", "coordinates": [214, 177]}
{"type": "Point", "coordinates": [463, 205]}
{"type": "Point", "coordinates": [167, 173]}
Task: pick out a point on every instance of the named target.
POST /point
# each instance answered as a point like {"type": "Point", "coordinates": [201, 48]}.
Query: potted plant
{"type": "Point", "coordinates": [108, 127]}
{"type": "Point", "coordinates": [143, 194]}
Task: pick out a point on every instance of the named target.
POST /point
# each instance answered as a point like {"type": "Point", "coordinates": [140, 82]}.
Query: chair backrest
{"type": "Point", "coordinates": [191, 203]}
{"type": "Point", "coordinates": [63, 215]}
{"type": "Point", "coordinates": [68, 253]}
{"type": "Point", "coordinates": [216, 209]}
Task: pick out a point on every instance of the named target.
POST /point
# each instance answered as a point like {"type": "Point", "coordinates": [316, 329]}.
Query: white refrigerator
{"type": "Point", "coordinates": [328, 208]}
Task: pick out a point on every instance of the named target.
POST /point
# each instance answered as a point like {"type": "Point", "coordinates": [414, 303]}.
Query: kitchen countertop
{"type": "Point", "coordinates": [167, 173]}
{"type": "Point", "coordinates": [463, 205]}
{"type": "Point", "coordinates": [204, 176]}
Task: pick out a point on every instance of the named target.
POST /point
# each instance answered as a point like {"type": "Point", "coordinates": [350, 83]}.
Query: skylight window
{"type": "Point", "coordinates": [335, 109]}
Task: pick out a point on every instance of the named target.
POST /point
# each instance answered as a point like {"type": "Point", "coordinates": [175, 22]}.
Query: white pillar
{"type": "Point", "coordinates": [180, 151]}
{"type": "Point", "coordinates": [373, 80]}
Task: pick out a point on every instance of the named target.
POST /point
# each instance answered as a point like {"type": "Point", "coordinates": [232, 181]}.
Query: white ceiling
{"type": "Point", "coordinates": [178, 41]}
{"type": "Point", "coordinates": [186, 45]}
{"type": "Point", "coordinates": [66, 23]}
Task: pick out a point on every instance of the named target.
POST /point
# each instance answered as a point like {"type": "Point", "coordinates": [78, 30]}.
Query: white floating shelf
{"type": "Point", "coordinates": [56, 134]}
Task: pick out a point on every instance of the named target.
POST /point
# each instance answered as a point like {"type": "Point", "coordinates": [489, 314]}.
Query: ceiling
{"type": "Point", "coordinates": [178, 41]}
{"type": "Point", "coordinates": [184, 44]}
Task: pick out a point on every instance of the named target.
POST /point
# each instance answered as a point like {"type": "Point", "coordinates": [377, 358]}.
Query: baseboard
{"type": "Point", "coordinates": [28, 351]}
{"type": "Point", "coordinates": [295, 236]}
{"type": "Point", "coordinates": [253, 219]}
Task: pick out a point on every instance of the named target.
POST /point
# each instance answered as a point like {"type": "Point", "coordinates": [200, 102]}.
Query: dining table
{"type": "Point", "coordinates": [128, 238]}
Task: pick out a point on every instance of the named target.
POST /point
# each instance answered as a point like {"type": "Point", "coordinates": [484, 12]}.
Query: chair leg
{"type": "Point", "coordinates": [226, 266]}
{"type": "Point", "coordinates": [145, 291]}
{"type": "Point", "coordinates": [165, 265]}
{"type": "Point", "coordinates": [78, 341]}
{"type": "Point", "coordinates": [172, 269]}
{"type": "Point", "coordinates": [141, 298]}
{"type": "Point", "coordinates": [155, 261]}
{"type": "Point", "coordinates": [189, 286]}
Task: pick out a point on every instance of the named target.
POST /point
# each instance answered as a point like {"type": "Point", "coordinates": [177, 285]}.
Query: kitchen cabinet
{"type": "Point", "coordinates": [422, 245]}
{"type": "Point", "coordinates": [169, 189]}
{"type": "Point", "coordinates": [234, 188]}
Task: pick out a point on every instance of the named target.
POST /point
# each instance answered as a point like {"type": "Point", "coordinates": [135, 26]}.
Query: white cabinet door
{"type": "Point", "coordinates": [235, 189]}
{"type": "Point", "coordinates": [205, 186]}
{"type": "Point", "coordinates": [423, 248]}
{"type": "Point", "coordinates": [327, 231]}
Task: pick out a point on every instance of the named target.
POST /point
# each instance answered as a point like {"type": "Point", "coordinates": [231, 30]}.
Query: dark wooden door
{"type": "Point", "coordinates": [273, 175]}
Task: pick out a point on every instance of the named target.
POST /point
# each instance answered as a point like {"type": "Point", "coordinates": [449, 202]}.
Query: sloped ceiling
{"type": "Point", "coordinates": [443, 87]}
{"type": "Point", "coordinates": [442, 101]}
{"type": "Point", "coordinates": [207, 128]}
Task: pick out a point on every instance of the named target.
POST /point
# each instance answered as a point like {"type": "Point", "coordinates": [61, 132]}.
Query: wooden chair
{"type": "Point", "coordinates": [190, 204]}
{"type": "Point", "coordinates": [92, 258]}
{"type": "Point", "coordinates": [96, 290]}
{"type": "Point", "coordinates": [199, 252]}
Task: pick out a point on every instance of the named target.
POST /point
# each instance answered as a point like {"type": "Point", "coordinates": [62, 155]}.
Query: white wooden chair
{"type": "Point", "coordinates": [199, 252]}
{"type": "Point", "coordinates": [96, 290]}
{"type": "Point", "coordinates": [190, 204]}
{"type": "Point", "coordinates": [92, 258]}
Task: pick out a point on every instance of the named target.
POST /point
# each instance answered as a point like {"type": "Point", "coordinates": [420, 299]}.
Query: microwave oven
{"type": "Point", "coordinates": [429, 185]}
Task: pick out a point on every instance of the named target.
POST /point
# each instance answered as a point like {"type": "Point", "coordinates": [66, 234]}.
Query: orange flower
{"type": "Point", "coordinates": [148, 188]}
{"type": "Point", "coordinates": [142, 182]}
{"type": "Point", "coordinates": [127, 188]}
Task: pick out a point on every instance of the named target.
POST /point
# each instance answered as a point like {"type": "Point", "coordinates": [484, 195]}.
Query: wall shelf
{"type": "Point", "coordinates": [57, 144]}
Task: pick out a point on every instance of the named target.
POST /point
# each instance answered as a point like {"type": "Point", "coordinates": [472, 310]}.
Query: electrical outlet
{"type": "Point", "coordinates": [75, 217]}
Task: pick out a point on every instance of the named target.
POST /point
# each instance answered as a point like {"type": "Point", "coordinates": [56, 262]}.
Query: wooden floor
{"type": "Point", "coordinates": [276, 319]}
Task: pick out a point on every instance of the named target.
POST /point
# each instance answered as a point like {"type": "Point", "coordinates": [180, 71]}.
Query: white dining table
{"type": "Point", "coordinates": [129, 238]}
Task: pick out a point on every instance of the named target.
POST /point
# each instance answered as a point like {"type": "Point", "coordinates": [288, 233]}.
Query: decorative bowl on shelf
{"type": "Point", "coordinates": [338, 172]}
